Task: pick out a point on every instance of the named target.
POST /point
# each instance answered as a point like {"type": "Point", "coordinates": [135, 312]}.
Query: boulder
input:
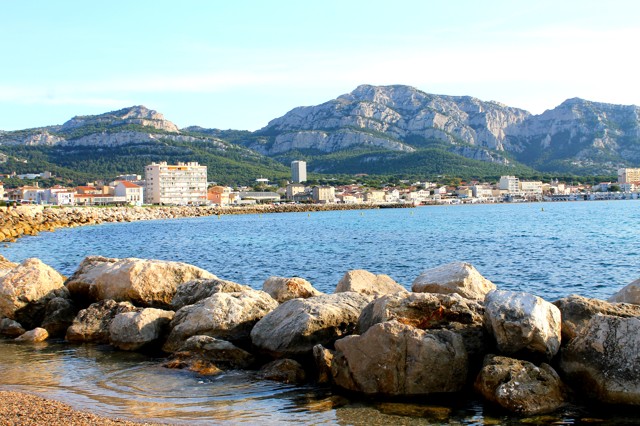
{"type": "Point", "coordinates": [519, 386]}
{"type": "Point", "coordinates": [194, 291]}
{"type": "Point", "coordinates": [26, 289]}
{"type": "Point", "coordinates": [36, 335]}
{"type": "Point", "coordinates": [323, 358]}
{"type": "Point", "coordinates": [296, 326]}
{"type": "Point", "coordinates": [59, 315]}
{"type": "Point", "coordinates": [6, 265]}
{"type": "Point", "coordinates": [576, 312]}
{"type": "Point", "coordinates": [395, 359]}
{"type": "Point", "coordinates": [523, 323]}
{"type": "Point", "coordinates": [227, 316]}
{"type": "Point", "coordinates": [283, 370]}
{"type": "Point", "coordinates": [456, 277]}
{"type": "Point", "coordinates": [143, 282]}
{"type": "Point", "coordinates": [134, 330]}
{"type": "Point", "coordinates": [283, 289]}
{"type": "Point", "coordinates": [628, 294]}
{"type": "Point", "coordinates": [92, 324]}
{"type": "Point", "coordinates": [201, 350]}
{"type": "Point", "coordinates": [427, 311]}
{"type": "Point", "coordinates": [365, 282]}
{"type": "Point", "coordinates": [10, 328]}
{"type": "Point", "coordinates": [603, 360]}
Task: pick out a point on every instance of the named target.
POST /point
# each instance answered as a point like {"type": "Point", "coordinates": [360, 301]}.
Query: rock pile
{"type": "Point", "coordinates": [371, 336]}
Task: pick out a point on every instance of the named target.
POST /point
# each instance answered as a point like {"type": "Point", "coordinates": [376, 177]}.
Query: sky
{"type": "Point", "coordinates": [239, 64]}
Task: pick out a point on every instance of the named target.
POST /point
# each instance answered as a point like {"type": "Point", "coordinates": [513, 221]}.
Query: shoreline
{"type": "Point", "coordinates": [16, 222]}
{"type": "Point", "coordinates": [24, 408]}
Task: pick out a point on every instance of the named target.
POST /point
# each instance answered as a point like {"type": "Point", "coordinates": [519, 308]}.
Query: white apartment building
{"type": "Point", "coordinates": [531, 187]}
{"type": "Point", "coordinates": [324, 194]}
{"type": "Point", "coordinates": [511, 184]}
{"type": "Point", "coordinates": [134, 194]}
{"type": "Point", "coordinates": [298, 171]}
{"type": "Point", "coordinates": [180, 184]}
{"type": "Point", "coordinates": [628, 175]}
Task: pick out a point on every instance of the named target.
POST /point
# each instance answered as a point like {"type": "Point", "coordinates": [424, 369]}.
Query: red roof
{"type": "Point", "coordinates": [128, 184]}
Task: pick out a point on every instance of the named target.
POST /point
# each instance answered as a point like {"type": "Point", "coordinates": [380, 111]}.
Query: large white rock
{"type": "Point", "coordinates": [628, 294]}
{"type": "Point", "coordinates": [36, 335]}
{"type": "Point", "coordinates": [194, 291]}
{"type": "Point", "coordinates": [227, 316]}
{"type": "Point", "coordinates": [397, 359]}
{"type": "Point", "coordinates": [283, 289]}
{"type": "Point", "coordinates": [456, 277]}
{"type": "Point", "coordinates": [296, 326]}
{"type": "Point", "coordinates": [143, 282]}
{"type": "Point", "coordinates": [131, 331]}
{"type": "Point", "coordinates": [365, 282]}
{"type": "Point", "coordinates": [26, 289]}
{"type": "Point", "coordinates": [92, 324]}
{"type": "Point", "coordinates": [603, 360]}
{"type": "Point", "coordinates": [523, 322]}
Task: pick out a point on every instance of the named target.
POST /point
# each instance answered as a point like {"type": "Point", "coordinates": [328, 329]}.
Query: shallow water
{"type": "Point", "coordinates": [550, 249]}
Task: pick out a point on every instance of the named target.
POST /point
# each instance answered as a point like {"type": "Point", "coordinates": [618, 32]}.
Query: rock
{"type": "Point", "coordinates": [520, 386]}
{"type": "Point", "coordinates": [427, 311]}
{"type": "Point", "coordinates": [134, 330]}
{"type": "Point", "coordinates": [199, 366]}
{"type": "Point", "coordinates": [395, 359]}
{"type": "Point", "coordinates": [199, 350]}
{"type": "Point", "coordinates": [227, 316]}
{"type": "Point", "coordinates": [628, 294]}
{"type": "Point", "coordinates": [523, 323]}
{"type": "Point", "coordinates": [10, 328]}
{"type": "Point", "coordinates": [194, 291]}
{"type": "Point", "coordinates": [147, 283]}
{"type": "Point", "coordinates": [26, 289]}
{"type": "Point", "coordinates": [323, 358]}
{"type": "Point", "coordinates": [59, 315]}
{"type": "Point", "coordinates": [6, 265]}
{"type": "Point", "coordinates": [92, 324]}
{"type": "Point", "coordinates": [296, 326]}
{"type": "Point", "coordinates": [283, 370]}
{"type": "Point", "coordinates": [33, 336]}
{"type": "Point", "coordinates": [365, 282]}
{"type": "Point", "coordinates": [576, 312]}
{"type": "Point", "coordinates": [603, 360]}
{"type": "Point", "coordinates": [456, 277]}
{"type": "Point", "coordinates": [283, 289]}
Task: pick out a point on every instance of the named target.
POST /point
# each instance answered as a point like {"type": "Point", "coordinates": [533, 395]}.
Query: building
{"type": "Point", "coordinates": [259, 197]}
{"type": "Point", "coordinates": [219, 195]}
{"type": "Point", "coordinates": [293, 189]}
{"type": "Point", "coordinates": [298, 171]}
{"type": "Point", "coordinates": [374, 196]}
{"type": "Point", "coordinates": [180, 184]}
{"type": "Point", "coordinates": [531, 187]}
{"type": "Point", "coordinates": [511, 184]}
{"type": "Point", "coordinates": [134, 194]}
{"type": "Point", "coordinates": [629, 176]}
{"type": "Point", "coordinates": [323, 194]}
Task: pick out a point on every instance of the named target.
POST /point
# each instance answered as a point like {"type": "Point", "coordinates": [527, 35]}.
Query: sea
{"type": "Point", "coordinates": [552, 250]}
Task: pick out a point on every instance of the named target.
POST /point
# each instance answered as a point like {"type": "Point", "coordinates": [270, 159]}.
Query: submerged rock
{"type": "Point", "coordinates": [283, 289]}
{"type": "Point", "coordinates": [143, 282]}
{"type": "Point", "coordinates": [519, 386]}
{"type": "Point", "coordinates": [603, 360]}
{"type": "Point", "coordinates": [134, 330]}
{"type": "Point", "coordinates": [283, 370]}
{"type": "Point", "coordinates": [11, 328]}
{"type": "Point", "coordinates": [26, 289]}
{"type": "Point", "coordinates": [199, 350]}
{"type": "Point", "coordinates": [92, 324]}
{"type": "Point", "coordinates": [523, 323]}
{"type": "Point", "coordinates": [456, 277]}
{"type": "Point", "coordinates": [394, 359]}
{"type": "Point", "coordinates": [36, 335]}
{"type": "Point", "coordinates": [365, 282]}
{"type": "Point", "coordinates": [228, 316]}
{"type": "Point", "coordinates": [296, 326]}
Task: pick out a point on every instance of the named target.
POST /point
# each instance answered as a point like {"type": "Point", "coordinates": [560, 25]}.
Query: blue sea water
{"type": "Point", "coordinates": [549, 249]}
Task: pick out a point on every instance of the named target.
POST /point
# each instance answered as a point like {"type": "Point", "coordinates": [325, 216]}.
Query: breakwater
{"type": "Point", "coordinates": [31, 220]}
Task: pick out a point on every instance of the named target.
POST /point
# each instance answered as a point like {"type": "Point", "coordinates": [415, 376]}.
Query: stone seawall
{"type": "Point", "coordinates": [30, 220]}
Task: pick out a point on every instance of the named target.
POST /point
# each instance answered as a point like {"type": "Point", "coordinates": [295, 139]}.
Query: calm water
{"type": "Point", "coordinates": [552, 250]}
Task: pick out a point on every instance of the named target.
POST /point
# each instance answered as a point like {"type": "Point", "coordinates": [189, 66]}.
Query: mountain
{"type": "Point", "coordinates": [102, 146]}
{"type": "Point", "coordinates": [576, 137]}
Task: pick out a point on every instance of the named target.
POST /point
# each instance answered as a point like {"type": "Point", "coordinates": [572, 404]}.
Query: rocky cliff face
{"type": "Point", "coordinates": [138, 115]}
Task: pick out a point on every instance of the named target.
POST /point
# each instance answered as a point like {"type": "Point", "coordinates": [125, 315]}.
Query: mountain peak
{"type": "Point", "coordinates": [137, 114]}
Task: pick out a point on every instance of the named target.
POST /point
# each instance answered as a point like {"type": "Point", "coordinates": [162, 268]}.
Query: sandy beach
{"type": "Point", "coordinates": [23, 409]}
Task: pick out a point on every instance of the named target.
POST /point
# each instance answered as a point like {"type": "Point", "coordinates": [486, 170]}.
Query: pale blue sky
{"type": "Point", "coordinates": [238, 64]}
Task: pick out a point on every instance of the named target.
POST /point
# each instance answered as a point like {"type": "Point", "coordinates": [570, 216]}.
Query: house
{"type": "Point", "coordinates": [133, 194]}
{"type": "Point", "coordinates": [323, 194]}
{"type": "Point", "coordinates": [220, 195]}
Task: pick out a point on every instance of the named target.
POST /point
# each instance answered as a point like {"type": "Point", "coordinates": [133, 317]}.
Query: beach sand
{"type": "Point", "coordinates": [23, 409]}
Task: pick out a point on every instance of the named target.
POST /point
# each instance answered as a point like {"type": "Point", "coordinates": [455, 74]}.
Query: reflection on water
{"type": "Point", "coordinates": [129, 385]}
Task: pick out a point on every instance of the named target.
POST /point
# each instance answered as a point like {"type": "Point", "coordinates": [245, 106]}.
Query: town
{"type": "Point", "coordinates": [185, 184]}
